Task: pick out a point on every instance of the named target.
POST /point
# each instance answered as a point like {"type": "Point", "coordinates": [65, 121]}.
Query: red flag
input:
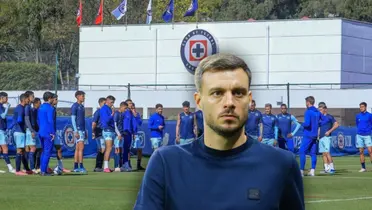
{"type": "Point", "coordinates": [79, 16]}
{"type": "Point", "coordinates": [99, 17]}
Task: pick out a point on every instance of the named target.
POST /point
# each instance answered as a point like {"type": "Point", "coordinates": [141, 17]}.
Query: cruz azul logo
{"type": "Point", "coordinates": [197, 45]}
{"type": "Point", "coordinates": [69, 138]}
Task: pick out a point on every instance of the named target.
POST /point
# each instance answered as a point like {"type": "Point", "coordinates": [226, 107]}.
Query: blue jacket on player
{"type": "Point", "coordinates": [364, 123]}
{"type": "Point", "coordinates": [311, 123]}
{"type": "Point", "coordinates": [155, 121]}
{"type": "Point", "coordinates": [106, 119]}
{"type": "Point", "coordinates": [45, 119]}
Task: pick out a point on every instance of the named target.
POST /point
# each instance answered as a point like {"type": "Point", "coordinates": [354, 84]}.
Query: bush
{"type": "Point", "coordinates": [26, 76]}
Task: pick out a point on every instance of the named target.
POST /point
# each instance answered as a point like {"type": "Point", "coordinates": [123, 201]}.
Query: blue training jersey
{"type": "Point", "coordinates": [19, 124]}
{"type": "Point", "coordinates": [364, 123]}
{"type": "Point", "coordinates": [187, 125]}
{"type": "Point", "coordinates": [33, 119]}
{"type": "Point", "coordinates": [199, 121]}
{"type": "Point", "coordinates": [106, 119]}
{"type": "Point", "coordinates": [45, 120]}
{"type": "Point", "coordinates": [155, 121]}
{"type": "Point", "coordinates": [285, 122]}
{"type": "Point", "coordinates": [128, 121]}
{"type": "Point", "coordinates": [326, 123]}
{"type": "Point", "coordinates": [3, 115]}
{"type": "Point", "coordinates": [96, 119]}
{"type": "Point", "coordinates": [78, 111]}
{"type": "Point", "coordinates": [118, 119]}
{"type": "Point", "coordinates": [137, 123]}
{"type": "Point", "coordinates": [270, 126]}
{"type": "Point", "coordinates": [311, 122]}
{"type": "Point", "coordinates": [252, 124]}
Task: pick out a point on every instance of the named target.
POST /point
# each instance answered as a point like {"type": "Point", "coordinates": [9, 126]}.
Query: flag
{"type": "Point", "coordinates": [79, 15]}
{"type": "Point", "coordinates": [192, 9]}
{"type": "Point", "coordinates": [99, 18]}
{"type": "Point", "coordinates": [149, 13]}
{"type": "Point", "coordinates": [120, 11]}
{"type": "Point", "coordinates": [168, 13]}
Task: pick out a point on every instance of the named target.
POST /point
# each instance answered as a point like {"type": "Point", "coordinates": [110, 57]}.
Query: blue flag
{"type": "Point", "coordinates": [192, 9]}
{"type": "Point", "coordinates": [149, 13]}
{"type": "Point", "coordinates": [168, 13]}
{"type": "Point", "coordinates": [120, 11]}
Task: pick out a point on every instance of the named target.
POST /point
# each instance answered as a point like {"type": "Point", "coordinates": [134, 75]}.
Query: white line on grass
{"type": "Point", "coordinates": [342, 177]}
{"type": "Point", "coordinates": [337, 200]}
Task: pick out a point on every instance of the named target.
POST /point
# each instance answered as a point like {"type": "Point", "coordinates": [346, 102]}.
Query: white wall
{"type": "Point", "coordinates": [277, 52]}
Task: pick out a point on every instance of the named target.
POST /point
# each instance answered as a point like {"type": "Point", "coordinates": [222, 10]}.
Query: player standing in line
{"type": "Point", "coordinates": [31, 133]}
{"type": "Point", "coordinates": [58, 141]}
{"type": "Point", "coordinates": [253, 126]}
{"type": "Point", "coordinates": [47, 130]}
{"type": "Point", "coordinates": [4, 108]}
{"type": "Point", "coordinates": [310, 135]}
{"type": "Point", "coordinates": [106, 113]}
{"type": "Point", "coordinates": [270, 127]}
{"type": "Point", "coordinates": [119, 142]}
{"type": "Point", "coordinates": [78, 123]}
{"type": "Point", "coordinates": [97, 135]}
{"type": "Point", "coordinates": [156, 125]}
{"type": "Point", "coordinates": [20, 135]}
{"type": "Point", "coordinates": [363, 137]}
{"type": "Point", "coordinates": [137, 144]}
{"type": "Point", "coordinates": [128, 132]}
{"type": "Point", "coordinates": [199, 123]}
{"type": "Point", "coordinates": [186, 127]}
{"type": "Point", "coordinates": [132, 120]}
{"type": "Point", "coordinates": [285, 121]}
{"type": "Point", "coordinates": [34, 124]}
{"type": "Point", "coordinates": [328, 124]}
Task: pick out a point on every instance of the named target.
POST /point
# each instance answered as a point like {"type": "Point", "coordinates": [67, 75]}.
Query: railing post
{"type": "Point", "coordinates": [128, 90]}
{"type": "Point", "coordinates": [288, 85]}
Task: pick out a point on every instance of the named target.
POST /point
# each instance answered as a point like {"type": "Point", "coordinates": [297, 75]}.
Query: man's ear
{"type": "Point", "coordinates": [250, 97]}
{"type": "Point", "coordinates": [197, 98]}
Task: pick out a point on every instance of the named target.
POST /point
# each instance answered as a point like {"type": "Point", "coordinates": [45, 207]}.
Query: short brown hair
{"type": "Point", "coordinates": [310, 99]}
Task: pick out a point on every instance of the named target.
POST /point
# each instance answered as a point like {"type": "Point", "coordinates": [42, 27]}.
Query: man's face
{"type": "Point", "coordinates": [253, 106]}
{"type": "Point", "coordinates": [321, 110]}
{"type": "Point", "coordinates": [122, 108]}
{"type": "Point", "coordinates": [55, 101]}
{"type": "Point", "coordinates": [159, 110]}
{"type": "Point", "coordinates": [110, 103]}
{"type": "Point", "coordinates": [186, 109]}
{"type": "Point", "coordinates": [26, 101]}
{"type": "Point", "coordinates": [267, 109]}
{"type": "Point", "coordinates": [102, 103]}
{"type": "Point", "coordinates": [224, 99]}
{"type": "Point", "coordinates": [31, 98]}
{"type": "Point", "coordinates": [81, 98]}
{"type": "Point", "coordinates": [283, 109]}
{"type": "Point", "coordinates": [37, 104]}
{"type": "Point", "coordinates": [130, 104]}
{"type": "Point", "coordinates": [4, 100]}
{"type": "Point", "coordinates": [362, 108]}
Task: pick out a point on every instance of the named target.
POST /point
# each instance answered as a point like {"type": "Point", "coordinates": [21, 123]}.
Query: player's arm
{"type": "Point", "coordinates": [116, 122]}
{"type": "Point", "coordinates": [27, 119]}
{"type": "Point", "coordinates": [293, 193]}
{"type": "Point", "coordinates": [335, 125]}
{"type": "Point", "coordinates": [178, 126]}
{"type": "Point", "coordinates": [4, 113]}
{"type": "Point", "coordinates": [139, 119]}
{"type": "Point", "coordinates": [260, 124]}
{"type": "Point", "coordinates": [73, 117]}
{"type": "Point", "coordinates": [50, 119]}
{"type": "Point", "coordinates": [307, 120]}
{"type": "Point", "coordinates": [127, 121]}
{"type": "Point", "coordinates": [295, 122]}
{"type": "Point", "coordinates": [151, 195]}
{"type": "Point", "coordinates": [95, 121]}
{"type": "Point", "coordinates": [151, 123]}
{"type": "Point", "coordinates": [195, 126]}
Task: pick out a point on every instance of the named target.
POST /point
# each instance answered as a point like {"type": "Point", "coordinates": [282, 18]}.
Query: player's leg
{"type": "Point", "coordinates": [5, 151]}
{"type": "Point", "coordinates": [100, 154]}
{"type": "Point", "coordinates": [360, 145]}
{"type": "Point", "coordinates": [313, 151]}
{"type": "Point", "coordinates": [290, 144]}
{"type": "Point", "coordinates": [108, 136]}
{"type": "Point", "coordinates": [156, 143]}
{"type": "Point", "coordinates": [281, 143]}
{"type": "Point", "coordinates": [323, 151]}
{"type": "Point", "coordinates": [126, 148]}
{"type": "Point", "coordinates": [81, 142]}
{"type": "Point", "coordinates": [139, 146]}
{"type": "Point", "coordinates": [31, 145]}
{"type": "Point", "coordinates": [76, 158]}
{"type": "Point", "coordinates": [306, 143]}
{"type": "Point", "coordinates": [20, 144]}
{"type": "Point", "coordinates": [47, 145]}
{"type": "Point", "coordinates": [327, 144]}
{"type": "Point", "coordinates": [117, 144]}
{"type": "Point", "coordinates": [368, 143]}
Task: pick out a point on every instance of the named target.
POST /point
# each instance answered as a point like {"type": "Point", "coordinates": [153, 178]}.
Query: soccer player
{"type": "Point", "coordinates": [128, 132]}
{"type": "Point", "coordinates": [199, 123]}
{"type": "Point", "coordinates": [285, 122]}
{"type": "Point", "coordinates": [31, 132]}
{"type": "Point", "coordinates": [20, 135]}
{"type": "Point", "coordinates": [225, 169]}
{"type": "Point", "coordinates": [4, 108]}
{"type": "Point", "coordinates": [137, 144]}
{"type": "Point", "coordinates": [253, 126]}
{"type": "Point", "coordinates": [119, 130]}
{"type": "Point", "coordinates": [363, 137]}
{"type": "Point", "coordinates": [156, 124]}
{"type": "Point", "coordinates": [47, 130]}
{"type": "Point", "coordinates": [328, 124]}
{"type": "Point", "coordinates": [97, 135]}
{"type": "Point", "coordinates": [186, 127]}
{"type": "Point", "coordinates": [310, 135]}
{"type": "Point", "coordinates": [269, 127]}
{"type": "Point", "coordinates": [58, 141]}
{"type": "Point", "coordinates": [106, 113]}
{"type": "Point", "coordinates": [34, 124]}
{"type": "Point", "coordinates": [78, 123]}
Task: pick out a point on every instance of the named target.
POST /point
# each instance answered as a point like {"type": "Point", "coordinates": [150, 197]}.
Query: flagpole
{"type": "Point", "coordinates": [126, 16]}
{"type": "Point", "coordinates": [102, 1]}
{"type": "Point", "coordinates": [174, 9]}
{"type": "Point", "coordinates": [197, 19]}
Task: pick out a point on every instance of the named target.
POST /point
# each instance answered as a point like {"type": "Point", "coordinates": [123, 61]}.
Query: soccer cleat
{"type": "Point", "coordinates": [50, 170]}
{"type": "Point", "coordinates": [107, 170]}
{"type": "Point", "coordinates": [66, 171]}
{"type": "Point", "coordinates": [332, 171]}
{"type": "Point", "coordinates": [76, 170]}
{"type": "Point", "coordinates": [35, 171]}
{"type": "Point", "coordinates": [29, 172]}
{"type": "Point", "coordinates": [125, 168]}
{"type": "Point", "coordinates": [140, 168]}
{"type": "Point", "coordinates": [362, 170]}
{"type": "Point", "coordinates": [98, 170]}
{"type": "Point", "coordinates": [20, 173]}
{"type": "Point", "coordinates": [45, 174]}
{"type": "Point", "coordinates": [83, 171]}
{"type": "Point", "coordinates": [13, 171]}
{"type": "Point", "coordinates": [117, 170]}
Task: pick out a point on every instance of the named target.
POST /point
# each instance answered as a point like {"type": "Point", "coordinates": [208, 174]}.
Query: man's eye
{"type": "Point", "coordinates": [217, 93]}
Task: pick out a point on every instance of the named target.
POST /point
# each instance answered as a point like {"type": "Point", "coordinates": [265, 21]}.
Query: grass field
{"type": "Point", "coordinates": [345, 190]}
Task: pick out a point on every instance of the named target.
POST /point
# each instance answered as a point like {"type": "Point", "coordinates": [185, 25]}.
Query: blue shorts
{"type": "Point", "coordinates": [363, 141]}
{"type": "Point", "coordinates": [119, 143]}
{"type": "Point", "coordinates": [156, 142]}
{"type": "Point", "coordinates": [100, 142]}
{"type": "Point", "coordinates": [186, 141]}
{"type": "Point", "coordinates": [57, 140]}
{"type": "Point", "coordinates": [2, 138]}
{"type": "Point", "coordinates": [32, 141]}
{"type": "Point", "coordinates": [268, 141]}
{"type": "Point", "coordinates": [82, 137]}
{"type": "Point", "coordinates": [325, 144]}
{"type": "Point", "coordinates": [20, 140]}
{"type": "Point", "coordinates": [139, 142]}
{"type": "Point", "coordinates": [108, 136]}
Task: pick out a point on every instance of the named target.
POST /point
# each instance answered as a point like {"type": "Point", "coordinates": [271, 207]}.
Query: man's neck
{"type": "Point", "coordinates": [217, 142]}
{"type": "Point", "coordinates": [79, 102]}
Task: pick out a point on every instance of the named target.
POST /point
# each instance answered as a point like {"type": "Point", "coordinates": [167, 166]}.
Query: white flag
{"type": "Point", "coordinates": [149, 13]}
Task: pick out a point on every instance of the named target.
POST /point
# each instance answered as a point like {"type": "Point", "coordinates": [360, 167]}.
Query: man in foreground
{"type": "Point", "coordinates": [225, 169]}
{"type": "Point", "coordinates": [363, 138]}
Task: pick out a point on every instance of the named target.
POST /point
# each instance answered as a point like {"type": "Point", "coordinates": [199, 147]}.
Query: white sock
{"type": "Point", "coordinates": [332, 166]}
{"type": "Point", "coordinates": [60, 164]}
{"type": "Point", "coordinates": [105, 163]}
{"type": "Point", "coordinates": [325, 167]}
{"type": "Point", "coordinates": [312, 171]}
{"type": "Point", "coordinates": [10, 167]}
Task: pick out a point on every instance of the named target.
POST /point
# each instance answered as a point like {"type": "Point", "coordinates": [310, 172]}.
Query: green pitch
{"type": "Point", "coordinates": [345, 190]}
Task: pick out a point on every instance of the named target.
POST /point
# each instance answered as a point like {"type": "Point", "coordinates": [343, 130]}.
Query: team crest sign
{"type": "Point", "coordinates": [197, 45]}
